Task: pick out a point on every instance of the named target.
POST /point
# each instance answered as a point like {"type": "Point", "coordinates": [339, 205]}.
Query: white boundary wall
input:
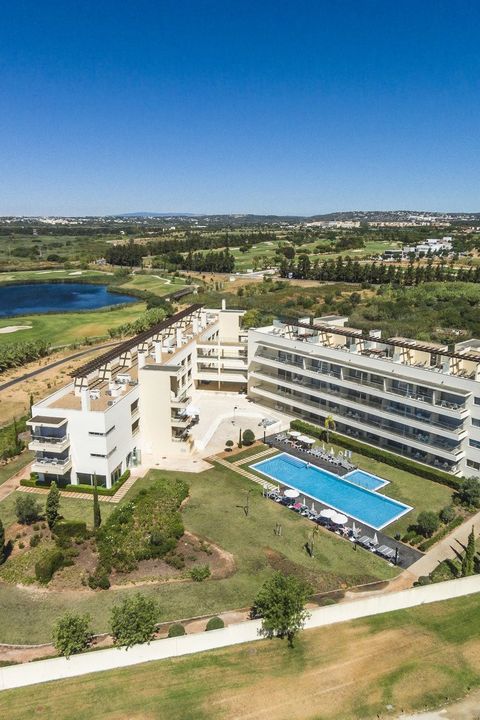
{"type": "Point", "coordinates": [111, 658]}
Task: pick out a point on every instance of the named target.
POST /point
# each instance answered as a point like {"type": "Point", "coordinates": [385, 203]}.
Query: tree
{"type": "Point", "coordinates": [71, 634]}
{"type": "Point", "coordinates": [427, 522]}
{"type": "Point", "coordinates": [469, 492]}
{"type": "Point", "coordinates": [468, 561]}
{"type": "Point", "coordinates": [248, 437]}
{"type": "Point", "coordinates": [280, 603]}
{"type": "Point", "coordinates": [97, 516]}
{"type": "Point", "coordinates": [329, 424]}
{"type": "Point", "coordinates": [134, 620]}
{"type": "Point", "coordinates": [53, 505]}
{"type": "Point", "coordinates": [2, 543]}
{"type": "Point", "coordinates": [27, 509]}
{"type": "Point", "coordinates": [447, 514]}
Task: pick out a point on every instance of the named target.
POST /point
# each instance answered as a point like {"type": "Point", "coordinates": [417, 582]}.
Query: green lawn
{"type": "Point", "coordinates": [71, 508]}
{"type": "Point", "coordinates": [44, 275]}
{"type": "Point", "coordinates": [410, 660]}
{"type": "Point", "coordinates": [215, 512]}
{"type": "Point", "coordinates": [155, 284]}
{"type": "Point", "coordinates": [6, 471]}
{"type": "Point", "coordinates": [67, 328]}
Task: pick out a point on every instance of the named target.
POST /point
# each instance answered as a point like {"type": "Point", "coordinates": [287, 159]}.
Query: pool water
{"type": "Point", "coordinates": [347, 495]}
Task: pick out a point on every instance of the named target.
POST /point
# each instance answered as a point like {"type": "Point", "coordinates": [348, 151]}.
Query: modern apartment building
{"type": "Point", "coordinates": [417, 399]}
{"type": "Point", "coordinates": [136, 403]}
{"type": "Point", "coordinates": [135, 400]}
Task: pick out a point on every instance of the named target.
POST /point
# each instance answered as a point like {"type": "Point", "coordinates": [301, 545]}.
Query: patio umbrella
{"type": "Point", "coordinates": [313, 507]}
{"type": "Point", "coordinates": [294, 433]}
{"type": "Point", "coordinates": [303, 500]}
{"type": "Point", "coordinates": [306, 440]}
{"type": "Point", "coordinates": [332, 451]}
{"type": "Point", "coordinates": [290, 493]}
{"type": "Point", "coordinates": [375, 540]}
{"type": "Point", "coordinates": [339, 519]}
{"type": "Point", "coordinates": [328, 513]}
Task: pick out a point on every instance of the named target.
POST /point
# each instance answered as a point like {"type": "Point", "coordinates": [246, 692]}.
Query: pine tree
{"type": "Point", "coordinates": [53, 505]}
{"type": "Point", "coordinates": [97, 517]}
{"type": "Point", "coordinates": [468, 562]}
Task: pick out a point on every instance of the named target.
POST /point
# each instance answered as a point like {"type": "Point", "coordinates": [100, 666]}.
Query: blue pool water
{"type": "Point", "coordinates": [365, 480]}
{"type": "Point", "coordinates": [27, 298]}
{"type": "Point", "coordinates": [341, 494]}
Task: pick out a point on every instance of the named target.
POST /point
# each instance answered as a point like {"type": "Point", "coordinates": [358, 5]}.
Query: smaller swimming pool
{"type": "Point", "coordinates": [353, 494]}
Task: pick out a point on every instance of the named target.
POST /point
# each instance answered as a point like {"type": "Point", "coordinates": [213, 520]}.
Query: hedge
{"type": "Point", "coordinates": [427, 544]}
{"type": "Point", "coordinates": [45, 568]}
{"type": "Point", "coordinates": [397, 461]}
{"type": "Point", "coordinates": [176, 630]}
{"type": "Point", "coordinates": [70, 529]}
{"type": "Point", "coordinates": [80, 488]}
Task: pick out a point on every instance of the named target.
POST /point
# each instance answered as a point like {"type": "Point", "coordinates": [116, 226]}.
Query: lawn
{"type": "Point", "coordinates": [11, 468]}
{"type": "Point", "coordinates": [215, 512]}
{"type": "Point", "coordinates": [67, 328]}
{"type": "Point", "coordinates": [154, 284]}
{"type": "Point", "coordinates": [71, 508]}
{"type": "Point", "coordinates": [409, 660]}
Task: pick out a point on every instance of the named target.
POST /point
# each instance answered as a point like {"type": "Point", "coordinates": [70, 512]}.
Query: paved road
{"type": "Point", "coordinates": [43, 369]}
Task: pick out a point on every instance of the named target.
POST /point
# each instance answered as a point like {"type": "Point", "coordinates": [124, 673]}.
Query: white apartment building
{"type": "Point", "coordinates": [135, 400]}
{"type": "Point", "coordinates": [134, 403]}
{"type": "Point", "coordinates": [416, 399]}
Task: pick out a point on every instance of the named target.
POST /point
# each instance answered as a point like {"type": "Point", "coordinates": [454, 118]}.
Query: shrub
{"type": "Point", "coordinates": [248, 437]}
{"type": "Point", "coordinates": [71, 634]}
{"type": "Point", "coordinates": [428, 522]}
{"type": "Point", "coordinates": [447, 514]}
{"type": "Point", "coordinates": [66, 529]}
{"type": "Point", "coordinates": [99, 579]}
{"type": "Point", "coordinates": [397, 461]}
{"type": "Point", "coordinates": [47, 566]}
{"type": "Point", "coordinates": [200, 573]}
{"type": "Point", "coordinates": [469, 492]}
{"type": "Point", "coordinates": [229, 444]}
{"type": "Point", "coordinates": [34, 540]}
{"type": "Point", "coordinates": [176, 630]}
{"type": "Point", "coordinates": [134, 620]}
{"type": "Point", "coordinates": [215, 623]}
{"type": "Point", "coordinates": [21, 545]}
{"type": "Point", "coordinates": [423, 580]}
{"type": "Point", "coordinates": [27, 509]}
{"type": "Point", "coordinates": [176, 561]}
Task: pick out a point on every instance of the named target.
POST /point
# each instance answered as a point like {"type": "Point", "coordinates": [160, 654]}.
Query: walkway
{"type": "Point", "coordinates": [447, 549]}
{"type": "Point", "coordinates": [119, 495]}
{"type": "Point", "coordinates": [111, 658]}
{"type": "Point", "coordinates": [257, 456]}
{"type": "Point", "coordinates": [241, 471]}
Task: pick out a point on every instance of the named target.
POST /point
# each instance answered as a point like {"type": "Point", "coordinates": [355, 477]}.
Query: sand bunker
{"type": "Point", "coordinates": [14, 328]}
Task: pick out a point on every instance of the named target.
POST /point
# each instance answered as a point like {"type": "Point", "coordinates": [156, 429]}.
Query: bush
{"type": "Point", "coordinates": [34, 540]}
{"type": "Point", "coordinates": [384, 456]}
{"type": "Point", "coordinates": [134, 620]}
{"type": "Point", "coordinates": [27, 509]}
{"type": "Point", "coordinates": [423, 580]}
{"type": "Point", "coordinates": [71, 634]}
{"type": "Point", "coordinates": [469, 492]}
{"type": "Point", "coordinates": [248, 437]}
{"type": "Point", "coordinates": [427, 544]}
{"type": "Point", "coordinates": [47, 566]}
{"type": "Point", "coordinates": [99, 579]}
{"type": "Point", "coordinates": [176, 561]}
{"type": "Point", "coordinates": [176, 630]}
{"type": "Point", "coordinates": [229, 444]}
{"type": "Point", "coordinates": [66, 529]}
{"type": "Point", "coordinates": [447, 514]}
{"type": "Point", "coordinates": [200, 573]}
{"type": "Point", "coordinates": [427, 523]}
{"type": "Point", "coordinates": [215, 623]}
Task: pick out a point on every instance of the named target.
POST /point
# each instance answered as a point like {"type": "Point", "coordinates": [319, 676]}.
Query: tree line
{"type": "Point", "coordinates": [16, 354]}
{"type": "Point", "coordinates": [375, 273]}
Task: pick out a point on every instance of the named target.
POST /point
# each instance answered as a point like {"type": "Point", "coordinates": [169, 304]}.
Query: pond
{"type": "Point", "coordinates": [29, 298]}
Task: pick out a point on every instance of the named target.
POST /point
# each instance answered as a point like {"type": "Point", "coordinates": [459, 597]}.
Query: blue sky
{"type": "Point", "coordinates": [266, 107]}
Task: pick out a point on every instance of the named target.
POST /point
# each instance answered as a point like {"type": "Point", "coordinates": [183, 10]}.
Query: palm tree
{"type": "Point", "coordinates": [329, 425]}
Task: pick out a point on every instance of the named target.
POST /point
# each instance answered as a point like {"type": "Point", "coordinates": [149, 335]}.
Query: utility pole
{"type": "Point", "coordinates": [246, 508]}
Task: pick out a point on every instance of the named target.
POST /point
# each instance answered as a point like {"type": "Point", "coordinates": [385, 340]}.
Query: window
{"type": "Point", "coordinates": [474, 444]}
{"type": "Point", "coordinates": [475, 422]}
{"type": "Point", "coordinates": [116, 473]}
{"type": "Point", "coordinates": [473, 464]}
{"type": "Point", "coordinates": [477, 400]}
{"type": "Point", "coordinates": [100, 455]}
{"type": "Point", "coordinates": [101, 434]}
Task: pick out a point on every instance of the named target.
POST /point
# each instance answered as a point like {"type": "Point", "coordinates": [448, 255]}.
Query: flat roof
{"type": "Point", "coordinates": [45, 420]}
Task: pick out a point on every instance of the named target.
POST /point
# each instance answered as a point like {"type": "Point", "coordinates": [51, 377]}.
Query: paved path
{"type": "Point", "coordinates": [241, 471]}
{"type": "Point", "coordinates": [108, 659]}
{"type": "Point", "coordinates": [13, 483]}
{"type": "Point", "coordinates": [448, 548]}
{"type": "Point", "coordinates": [262, 453]}
{"type": "Point", "coordinates": [119, 495]}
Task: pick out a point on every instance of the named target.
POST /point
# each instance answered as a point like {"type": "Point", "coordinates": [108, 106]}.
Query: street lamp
{"type": "Point", "coordinates": [234, 410]}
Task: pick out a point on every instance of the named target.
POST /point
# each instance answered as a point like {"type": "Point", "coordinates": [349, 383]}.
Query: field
{"type": "Point", "coordinates": [377, 667]}
{"type": "Point", "coordinates": [214, 512]}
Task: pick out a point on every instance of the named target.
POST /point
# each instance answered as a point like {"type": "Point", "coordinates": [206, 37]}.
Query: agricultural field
{"type": "Point", "coordinates": [400, 662]}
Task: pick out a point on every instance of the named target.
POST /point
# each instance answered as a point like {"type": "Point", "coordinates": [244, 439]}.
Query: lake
{"type": "Point", "coordinates": [29, 298]}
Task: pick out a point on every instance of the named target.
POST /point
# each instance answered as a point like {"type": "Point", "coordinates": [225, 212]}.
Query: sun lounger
{"type": "Point", "coordinates": [365, 542]}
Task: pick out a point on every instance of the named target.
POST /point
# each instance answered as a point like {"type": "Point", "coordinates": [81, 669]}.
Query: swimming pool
{"type": "Point", "coordinates": [342, 494]}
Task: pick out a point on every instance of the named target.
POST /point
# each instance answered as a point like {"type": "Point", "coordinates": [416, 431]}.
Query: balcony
{"type": "Point", "coordinates": [181, 422]}
{"type": "Point", "coordinates": [180, 401]}
{"type": "Point", "coordinates": [52, 466]}
{"type": "Point", "coordinates": [44, 443]}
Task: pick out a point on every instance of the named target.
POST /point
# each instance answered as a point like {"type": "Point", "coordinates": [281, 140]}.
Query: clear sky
{"type": "Point", "coordinates": [212, 106]}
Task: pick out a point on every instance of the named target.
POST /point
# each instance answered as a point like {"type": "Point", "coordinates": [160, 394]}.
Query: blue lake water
{"type": "Point", "coordinates": [29, 298]}
{"type": "Point", "coordinates": [339, 493]}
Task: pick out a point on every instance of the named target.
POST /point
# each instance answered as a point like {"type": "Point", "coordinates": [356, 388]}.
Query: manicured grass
{"type": "Point", "coordinates": [67, 328]}
{"type": "Point", "coordinates": [412, 659]}
{"type": "Point", "coordinates": [157, 285]}
{"type": "Point", "coordinates": [44, 275]}
{"type": "Point", "coordinates": [245, 454]}
{"type": "Point", "coordinates": [215, 512]}
{"type": "Point", "coordinates": [6, 471]}
{"type": "Point", "coordinates": [70, 508]}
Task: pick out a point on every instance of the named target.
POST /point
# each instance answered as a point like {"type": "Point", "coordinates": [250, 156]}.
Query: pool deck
{"type": "Point", "coordinates": [406, 555]}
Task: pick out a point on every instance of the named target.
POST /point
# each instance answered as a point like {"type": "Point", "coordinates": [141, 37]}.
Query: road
{"type": "Point", "coordinates": [44, 368]}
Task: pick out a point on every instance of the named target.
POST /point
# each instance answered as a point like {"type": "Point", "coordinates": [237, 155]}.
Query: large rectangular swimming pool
{"type": "Point", "coordinates": [353, 494]}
